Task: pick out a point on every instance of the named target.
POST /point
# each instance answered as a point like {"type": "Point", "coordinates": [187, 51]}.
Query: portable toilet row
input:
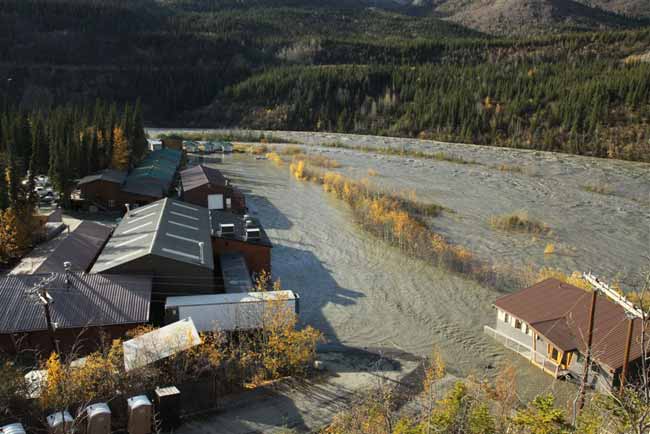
{"type": "Point", "coordinates": [96, 419]}
{"type": "Point", "coordinates": [13, 428]}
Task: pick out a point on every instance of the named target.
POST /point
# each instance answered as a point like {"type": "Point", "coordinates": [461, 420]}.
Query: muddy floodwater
{"type": "Point", "coordinates": [363, 294]}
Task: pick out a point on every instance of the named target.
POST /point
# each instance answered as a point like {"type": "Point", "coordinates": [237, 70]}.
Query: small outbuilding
{"type": "Point", "coordinates": [103, 188]}
{"type": "Point", "coordinates": [234, 233]}
{"type": "Point", "coordinates": [84, 309]}
{"type": "Point", "coordinates": [206, 186]}
{"type": "Point", "coordinates": [172, 143]}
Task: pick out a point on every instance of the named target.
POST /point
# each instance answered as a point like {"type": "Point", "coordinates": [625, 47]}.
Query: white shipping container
{"type": "Point", "coordinates": [229, 312]}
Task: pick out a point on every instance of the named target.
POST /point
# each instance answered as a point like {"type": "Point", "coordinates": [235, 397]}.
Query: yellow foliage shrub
{"type": "Point", "coordinates": [297, 169]}
{"type": "Point", "coordinates": [290, 150]}
{"type": "Point", "coordinates": [574, 279]}
{"type": "Point", "coordinates": [274, 157]}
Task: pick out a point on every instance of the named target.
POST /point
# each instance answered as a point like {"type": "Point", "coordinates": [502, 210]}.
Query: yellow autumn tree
{"type": "Point", "coordinates": [121, 153]}
{"type": "Point", "coordinates": [56, 393]}
{"type": "Point", "coordinates": [15, 235]}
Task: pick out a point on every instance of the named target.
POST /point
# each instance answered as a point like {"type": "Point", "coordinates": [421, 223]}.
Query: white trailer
{"type": "Point", "coordinates": [234, 311]}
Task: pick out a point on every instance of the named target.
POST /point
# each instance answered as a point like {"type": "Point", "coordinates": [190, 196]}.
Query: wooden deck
{"type": "Point", "coordinates": [538, 359]}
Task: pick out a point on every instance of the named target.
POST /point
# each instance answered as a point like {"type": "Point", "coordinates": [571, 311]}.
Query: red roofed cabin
{"type": "Point", "coordinates": [548, 324]}
{"type": "Point", "coordinates": [207, 187]}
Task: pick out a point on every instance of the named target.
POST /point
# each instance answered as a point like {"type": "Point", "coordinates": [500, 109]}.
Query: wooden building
{"type": "Point", "coordinates": [547, 323]}
{"type": "Point", "coordinates": [207, 187]}
{"type": "Point", "coordinates": [104, 188]}
{"type": "Point", "coordinates": [172, 143]}
{"type": "Point", "coordinates": [84, 308]}
{"type": "Point", "coordinates": [233, 233]}
{"type": "Point", "coordinates": [152, 179]}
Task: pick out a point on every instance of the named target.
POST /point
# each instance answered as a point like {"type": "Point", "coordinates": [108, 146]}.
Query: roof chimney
{"type": "Point", "coordinates": [67, 265]}
{"type": "Point", "coordinates": [128, 209]}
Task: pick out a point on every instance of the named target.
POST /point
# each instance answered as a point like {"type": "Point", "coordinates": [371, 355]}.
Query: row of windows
{"type": "Point", "coordinates": [519, 325]}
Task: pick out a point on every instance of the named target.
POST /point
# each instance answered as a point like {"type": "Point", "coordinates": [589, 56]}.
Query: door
{"type": "Point", "coordinates": [215, 201]}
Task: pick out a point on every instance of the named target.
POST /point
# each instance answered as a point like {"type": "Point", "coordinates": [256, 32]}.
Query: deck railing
{"type": "Point", "coordinates": [548, 365]}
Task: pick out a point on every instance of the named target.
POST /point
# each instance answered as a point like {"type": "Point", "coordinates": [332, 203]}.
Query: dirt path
{"type": "Point", "coordinates": [304, 406]}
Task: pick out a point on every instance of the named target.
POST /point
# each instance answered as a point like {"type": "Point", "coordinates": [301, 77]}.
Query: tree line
{"type": "Point", "coordinates": [64, 143]}
{"type": "Point", "coordinates": [590, 107]}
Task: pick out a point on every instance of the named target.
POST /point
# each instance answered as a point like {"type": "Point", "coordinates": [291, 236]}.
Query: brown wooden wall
{"type": "Point", "coordinates": [257, 257]}
{"type": "Point", "coordinates": [102, 192]}
{"type": "Point", "coordinates": [172, 144]}
{"type": "Point", "coordinates": [199, 196]}
{"type": "Point", "coordinates": [87, 340]}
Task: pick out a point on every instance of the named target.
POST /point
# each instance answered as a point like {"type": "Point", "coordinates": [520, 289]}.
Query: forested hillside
{"type": "Point", "coordinates": [335, 65]}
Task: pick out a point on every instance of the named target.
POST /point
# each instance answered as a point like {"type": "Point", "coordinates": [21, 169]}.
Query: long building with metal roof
{"type": "Point", "coordinates": [167, 239]}
{"type": "Point", "coordinates": [154, 176]}
{"type": "Point", "coordinates": [79, 249]}
{"type": "Point", "coordinates": [79, 305]}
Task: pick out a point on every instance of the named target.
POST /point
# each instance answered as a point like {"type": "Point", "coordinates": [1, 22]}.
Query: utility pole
{"type": "Point", "coordinates": [632, 313]}
{"type": "Point", "coordinates": [590, 335]}
{"type": "Point", "coordinates": [40, 294]}
{"type": "Point", "coordinates": [626, 359]}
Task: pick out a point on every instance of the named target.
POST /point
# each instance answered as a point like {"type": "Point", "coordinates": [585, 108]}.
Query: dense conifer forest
{"type": "Point", "coordinates": [337, 65]}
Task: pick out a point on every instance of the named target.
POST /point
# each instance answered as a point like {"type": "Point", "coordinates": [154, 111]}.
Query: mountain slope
{"type": "Point", "coordinates": [525, 17]}
{"type": "Point", "coordinates": [632, 8]}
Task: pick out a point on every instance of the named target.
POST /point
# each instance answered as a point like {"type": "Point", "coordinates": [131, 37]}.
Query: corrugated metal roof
{"type": "Point", "coordinates": [154, 175]}
{"type": "Point", "coordinates": [554, 302]}
{"type": "Point", "coordinates": [108, 175]}
{"type": "Point", "coordinates": [218, 217]}
{"type": "Point", "coordinates": [236, 276]}
{"type": "Point", "coordinates": [80, 248]}
{"type": "Point", "coordinates": [167, 228]}
{"type": "Point", "coordinates": [200, 175]}
{"type": "Point", "coordinates": [89, 300]}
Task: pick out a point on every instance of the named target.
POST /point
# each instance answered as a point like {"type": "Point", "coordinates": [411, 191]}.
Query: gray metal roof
{"type": "Point", "coordinates": [218, 217]}
{"type": "Point", "coordinates": [236, 276]}
{"type": "Point", "coordinates": [89, 300]}
{"type": "Point", "coordinates": [108, 175]}
{"type": "Point", "coordinates": [167, 228]}
{"type": "Point", "coordinates": [143, 188]}
{"type": "Point", "coordinates": [201, 175]}
{"type": "Point", "coordinates": [80, 248]}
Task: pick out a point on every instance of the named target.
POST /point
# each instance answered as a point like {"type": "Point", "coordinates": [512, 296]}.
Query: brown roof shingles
{"type": "Point", "coordinates": [560, 312]}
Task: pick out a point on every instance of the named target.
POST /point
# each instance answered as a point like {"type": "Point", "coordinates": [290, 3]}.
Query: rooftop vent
{"type": "Point", "coordinates": [252, 234]}
{"type": "Point", "coordinates": [226, 229]}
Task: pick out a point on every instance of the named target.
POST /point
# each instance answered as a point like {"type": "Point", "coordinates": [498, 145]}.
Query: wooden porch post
{"type": "Point", "coordinates": [532, 355]}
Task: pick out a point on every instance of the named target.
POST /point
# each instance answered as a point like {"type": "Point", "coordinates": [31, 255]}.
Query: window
{"type": "Point", "coordinates": [518, 324]}
{"type": "Point", "coordinates": [526, 329]}
{"type": "Point", "coordinates": [554, 354]}
{"type": "Point", "coordinates": [506, 318]}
